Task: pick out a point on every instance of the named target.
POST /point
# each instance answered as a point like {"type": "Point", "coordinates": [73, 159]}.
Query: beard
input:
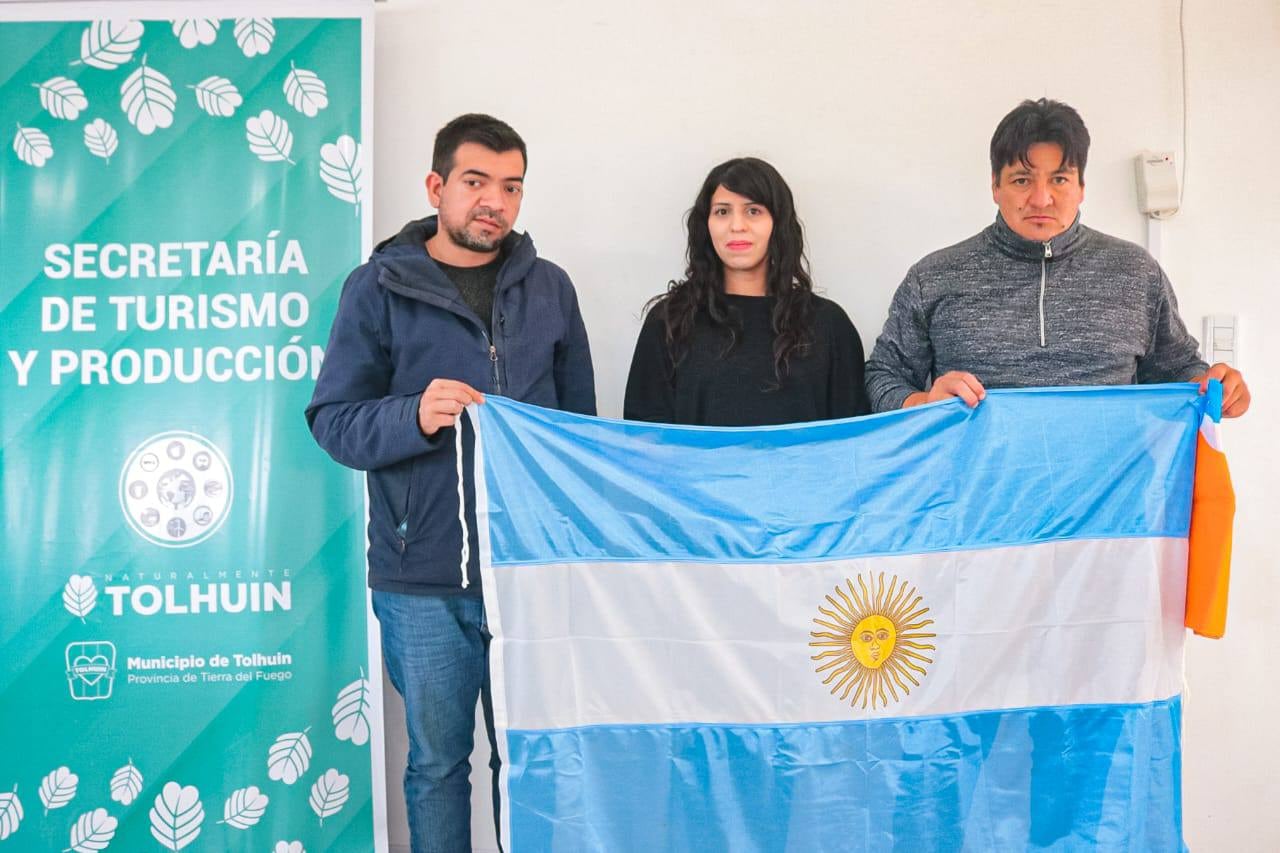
{"type": "Point", "coordinates": [466, 240]}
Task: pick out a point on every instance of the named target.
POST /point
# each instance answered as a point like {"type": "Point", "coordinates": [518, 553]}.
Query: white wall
{"type": "Point", "coordinates": [879, 116]}
{"type": "Point", "coordinates": [1223, 251]}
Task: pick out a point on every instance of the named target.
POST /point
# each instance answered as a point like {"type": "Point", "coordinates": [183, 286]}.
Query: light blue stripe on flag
{"type": "Point", "coordinates": [1079, 778]}
{"type": "Point", "coordinates": [1024, 466]}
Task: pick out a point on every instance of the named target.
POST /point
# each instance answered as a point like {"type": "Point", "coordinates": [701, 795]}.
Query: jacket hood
{"type": "Point", "coordinates": [1009, 242]}
{"type": "Point", "coordinates": [404, 265]}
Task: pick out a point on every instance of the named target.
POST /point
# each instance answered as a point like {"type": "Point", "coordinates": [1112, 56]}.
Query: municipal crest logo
{"type": "Point", "coordinates": [175, 489]}
{"type": "Point", "coordinates": [91, 670]}
{"type": "Point", "coordinates": [871, 640]}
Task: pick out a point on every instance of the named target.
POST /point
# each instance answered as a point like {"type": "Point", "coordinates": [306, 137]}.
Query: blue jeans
{"type": "Point", "coordinates": [436, 650]}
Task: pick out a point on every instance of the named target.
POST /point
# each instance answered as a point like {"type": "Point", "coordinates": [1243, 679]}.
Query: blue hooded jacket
{"type": "Point", "coordinates": [402, 323]}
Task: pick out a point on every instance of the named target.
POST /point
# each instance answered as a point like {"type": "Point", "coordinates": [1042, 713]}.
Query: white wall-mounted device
{"type": "Point", "coordinates": [1157, 184]}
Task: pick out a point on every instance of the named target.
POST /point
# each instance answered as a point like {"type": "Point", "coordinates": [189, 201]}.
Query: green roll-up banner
{"type": "Point", "coordinates": [185, 660]}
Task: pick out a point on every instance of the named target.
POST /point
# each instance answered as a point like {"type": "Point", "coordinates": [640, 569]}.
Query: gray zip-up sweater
{"type": "Point", "coordinates": [1081, 309]}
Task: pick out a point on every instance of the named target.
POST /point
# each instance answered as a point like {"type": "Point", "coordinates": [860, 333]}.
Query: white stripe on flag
{"type": "Point", "coordinates": [1060, 623]}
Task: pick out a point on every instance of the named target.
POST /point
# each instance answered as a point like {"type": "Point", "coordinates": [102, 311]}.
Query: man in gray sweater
{"type": "Point", "coordinates": [1036, 298]}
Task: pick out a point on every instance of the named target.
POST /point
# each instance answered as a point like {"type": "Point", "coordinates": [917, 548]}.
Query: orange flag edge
{"type": "Point", "coordinates": [1213, 510]}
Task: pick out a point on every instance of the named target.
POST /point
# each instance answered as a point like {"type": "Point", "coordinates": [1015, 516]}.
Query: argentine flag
{"type": "Point", "coordinates": [932, 630]}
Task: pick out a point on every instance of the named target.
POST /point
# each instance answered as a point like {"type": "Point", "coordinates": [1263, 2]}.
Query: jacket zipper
{"type": "Point", "coordinates": [498, 320]}
{"type": "Point", "coordinates": [1048, 253]}
{"type": "Point", "coordinates": [402, 529]}
{"type": "Point", "coordinates": [493, 360]}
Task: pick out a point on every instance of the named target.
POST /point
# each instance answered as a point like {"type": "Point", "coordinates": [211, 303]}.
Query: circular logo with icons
{"type": "Point", "coordinates": [175, 489]}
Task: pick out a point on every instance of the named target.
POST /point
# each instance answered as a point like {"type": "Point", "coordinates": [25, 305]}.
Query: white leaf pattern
{"type": "Point", "coordinates": [254, 35]}
{"type": "Point", "coordinates": [32, 146]}
{"type": "Point", "coordinates": [148, 99]}
{"type": "Point", "coordinates": [218, 96]}
{"type": "Point", "coordinates": [176, 816]}
{"type": "Point", "coordinates": [351, 712]}
{"type": "Point", "coordinates": [244, 807]}
{"type": "Point", "coordinates": [58, 788]}
{"type": "Point", "coordinates": [80, 595]}
{"type": "Point", "coordinates": [193, 32]}
{"type": "Point", "coordinates": [329, 794]}
{"type": "Point", "coordinates": [289, 757]}
{"type": "Point", "coordinates": [305, 91]}
{"type": "Point", "coordinates": [62, 97]}
{"type": "Point", "coordinates": [93, 831]}
{"type": "Point", "coordinates": [342, 171]}
{"type": "Point", "coordinates": [269, 137]}
{"type": "Point", "coordinates": [10, 813]}
{"type": "Point", "coordinates": [109, 44]}
{"type": "Point", "coordinates": [126, 784]}
{"type": "Point", "coordinates": [288, 847]}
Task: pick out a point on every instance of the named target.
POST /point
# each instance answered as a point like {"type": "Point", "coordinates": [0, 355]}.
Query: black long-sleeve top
{"type": "Point", "coordinates": [739, 388]}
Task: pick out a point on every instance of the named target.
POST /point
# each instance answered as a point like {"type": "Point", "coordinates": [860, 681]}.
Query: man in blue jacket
{"type": "Point", "coordinates": [453, 307]}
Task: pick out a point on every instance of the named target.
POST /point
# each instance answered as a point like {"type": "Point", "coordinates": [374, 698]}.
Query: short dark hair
{"type": "Point", "coordinates": [492, 133]}
{"type": "Point", "coordinates": [1040, 121]}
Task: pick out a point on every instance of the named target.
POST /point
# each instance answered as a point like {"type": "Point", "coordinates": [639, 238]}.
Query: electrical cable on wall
{"type": "Point", "coordinates": [1182, 180]}
{"type": "Point", "coordinates": [1182, 42]}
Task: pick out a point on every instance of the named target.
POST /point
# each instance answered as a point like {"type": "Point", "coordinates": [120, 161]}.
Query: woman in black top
{"type": "Point", "coordinates": [742, 340]}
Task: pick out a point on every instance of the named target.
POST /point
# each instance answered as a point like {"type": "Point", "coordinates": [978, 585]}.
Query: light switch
{"type": "Point", "coordinates": [1221, 341]}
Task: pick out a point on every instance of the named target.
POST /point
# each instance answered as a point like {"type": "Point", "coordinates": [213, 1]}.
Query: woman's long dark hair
{"type": "Point", "coordinates": [702, 287]}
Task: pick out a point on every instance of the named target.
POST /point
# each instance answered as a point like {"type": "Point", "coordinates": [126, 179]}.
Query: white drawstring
{"type": "Point", "coordinates": [462, 502]}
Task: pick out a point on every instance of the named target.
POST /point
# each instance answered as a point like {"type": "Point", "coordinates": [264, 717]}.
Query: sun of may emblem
{"type": "Point", "coordinates": [872, 641]}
